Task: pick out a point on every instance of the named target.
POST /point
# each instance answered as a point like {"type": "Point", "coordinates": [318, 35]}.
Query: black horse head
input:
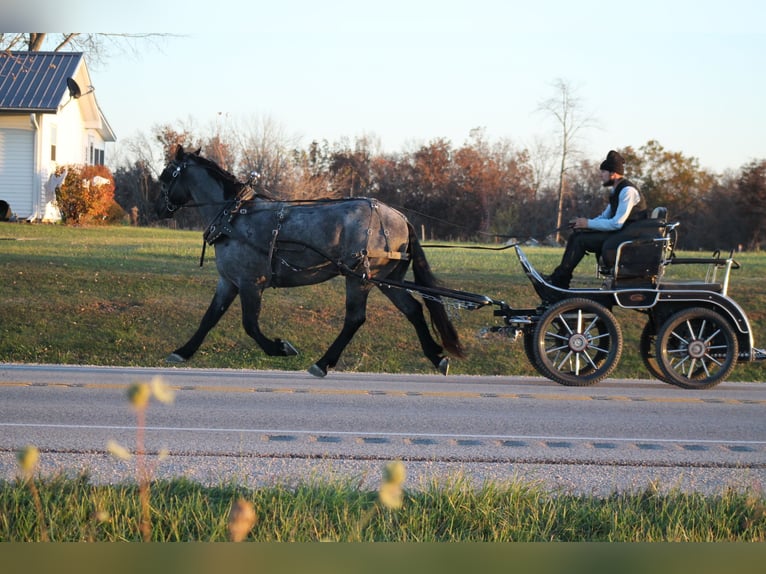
{"type": "Point", "coordinates": [173, 196]}
{"type": "Point", "coordinates": [175, 193]}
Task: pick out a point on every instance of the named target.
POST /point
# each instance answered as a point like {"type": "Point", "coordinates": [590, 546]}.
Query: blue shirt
{"type": "Point", "coordinates": [629, 198]}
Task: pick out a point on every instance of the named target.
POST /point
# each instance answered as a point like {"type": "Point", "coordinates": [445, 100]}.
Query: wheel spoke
{"type": "Point", "coordinates": [590, 360]}
{"type": "Point", "coordinates": [599, 349]}
{"type": "Point", "coordinates": [691, 329]}
{"type": "Point", "coordinates": [712, 358]}
{"type": "Point", "coordinates": [678, 365]}
{"type": "Point", "coordinates": [550, 350]}
{"type": "Point", "coordinates": [553, 335]}
{"type": "Point", "coordinates": [677, 351]}
{"type": "Point", "coordinates": [679, 337]}
{"type": "Point", "coordinates": [711, 337]}
{"type": "Point", "coordinates": [563, 321]}
{"type": "Point", "coordinates": [566, 358]}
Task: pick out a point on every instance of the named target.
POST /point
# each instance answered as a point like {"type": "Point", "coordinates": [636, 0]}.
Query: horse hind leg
{"type": "Point", "coordinates": [225, 294]}
{"type": "Point", "coordinates": [413, 310]}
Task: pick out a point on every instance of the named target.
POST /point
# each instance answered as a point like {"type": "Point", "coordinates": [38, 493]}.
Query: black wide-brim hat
{"type": "Point", "coordinates": [614, 162]}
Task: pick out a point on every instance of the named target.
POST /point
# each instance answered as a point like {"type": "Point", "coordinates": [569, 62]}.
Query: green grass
{"type": "Point", "coordinates": [75, 510]}
{"type": "Point", "coordinates": [129, 296]}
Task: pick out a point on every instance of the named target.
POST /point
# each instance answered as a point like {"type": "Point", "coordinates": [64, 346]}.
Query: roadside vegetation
{"type": "Point", "coordinates": [77, 511]}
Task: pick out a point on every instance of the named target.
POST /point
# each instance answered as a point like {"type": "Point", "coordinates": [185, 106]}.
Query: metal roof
{"type": "Point", "coordinates": [35, 81]}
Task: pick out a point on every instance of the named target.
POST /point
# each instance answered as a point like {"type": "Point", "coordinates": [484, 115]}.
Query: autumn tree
{"type": "Point", "coordinates": [673, 180]}
{"type": "Point", "coordinates": [350, 168]}
{"type": "Point", "coordinates": [750, 196]}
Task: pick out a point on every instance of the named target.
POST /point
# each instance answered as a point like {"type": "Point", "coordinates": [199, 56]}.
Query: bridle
{"type": "Point", "coordinates": [178, 168]}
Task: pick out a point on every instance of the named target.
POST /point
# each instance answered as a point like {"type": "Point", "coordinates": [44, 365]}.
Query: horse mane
{"type": "Point", "coordinates": [231, 185]}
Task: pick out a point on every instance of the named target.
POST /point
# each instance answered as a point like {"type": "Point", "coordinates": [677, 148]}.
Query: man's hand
{"type": "Point", "coordinates": [579, 223]}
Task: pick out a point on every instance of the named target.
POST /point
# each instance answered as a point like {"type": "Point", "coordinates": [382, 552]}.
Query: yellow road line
{"type": "Point", "coordinates": [396, 393]}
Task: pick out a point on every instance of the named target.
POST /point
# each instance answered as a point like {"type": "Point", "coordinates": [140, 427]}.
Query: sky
{"type": "Point", "coordinates": [689, 74]}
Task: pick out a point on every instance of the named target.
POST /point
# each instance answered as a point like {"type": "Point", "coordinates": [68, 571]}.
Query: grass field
{"type": "Point", "coordinates": [129, 296]}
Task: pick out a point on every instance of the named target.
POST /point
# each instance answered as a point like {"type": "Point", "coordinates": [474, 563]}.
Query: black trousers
{"type": "Point", "coordinates": [578, 244]}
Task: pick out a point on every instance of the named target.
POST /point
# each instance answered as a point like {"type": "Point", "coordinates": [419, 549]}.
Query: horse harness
{"type": "Point", "coordinates": [222, 226]}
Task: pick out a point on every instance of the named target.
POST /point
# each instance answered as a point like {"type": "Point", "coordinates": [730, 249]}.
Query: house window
{"type": "Point", "coordinates": [54, 138]}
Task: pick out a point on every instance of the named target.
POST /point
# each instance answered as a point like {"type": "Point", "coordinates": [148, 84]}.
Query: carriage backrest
{"type": "Point", "coordinates": [642, 257]}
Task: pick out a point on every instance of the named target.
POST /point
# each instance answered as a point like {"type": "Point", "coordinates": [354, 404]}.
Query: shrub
{"type": "Point", "coordinates": [87, 195]}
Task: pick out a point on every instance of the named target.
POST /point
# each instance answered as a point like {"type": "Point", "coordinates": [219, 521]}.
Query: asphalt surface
{"type": "Point", "coordinates": [264, 427]}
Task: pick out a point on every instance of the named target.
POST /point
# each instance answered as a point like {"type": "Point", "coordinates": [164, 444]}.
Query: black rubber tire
{"type": "Point", "coordinates": [647, 349]}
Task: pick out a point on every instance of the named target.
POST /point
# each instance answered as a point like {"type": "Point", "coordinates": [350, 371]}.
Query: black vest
{"type": "Point", "coordinates": [638, 212]}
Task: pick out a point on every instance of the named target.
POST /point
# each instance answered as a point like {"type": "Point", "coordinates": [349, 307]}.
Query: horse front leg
{"type": "Point", "coordinates": [356, 315]}
{"type": "Point", "coordinates": [225, 293]}
{"type": "Point", "coordinates": [251, 298]}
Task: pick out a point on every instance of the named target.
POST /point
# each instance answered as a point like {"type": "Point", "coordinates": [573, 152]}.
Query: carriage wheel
{"type": "Point", "coordinates": [577, 342]}
{"type": "Point", "coordinates": [529, 347]}
{"type": "Point", "coordinates": [696, 348]}
{"type": "Point", "coordinates": [646, 347]}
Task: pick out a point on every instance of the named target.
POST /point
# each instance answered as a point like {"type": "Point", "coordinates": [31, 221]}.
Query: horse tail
{"type": "Point", "coordinates": [425, 277]}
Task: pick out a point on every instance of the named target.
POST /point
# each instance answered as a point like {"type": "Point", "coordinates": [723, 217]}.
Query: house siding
{"type": "Point", "coordinates": [17, 172]}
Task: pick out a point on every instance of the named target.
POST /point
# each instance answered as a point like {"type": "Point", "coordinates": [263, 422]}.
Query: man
{"type": "Point", "coordinates": [626, 205]}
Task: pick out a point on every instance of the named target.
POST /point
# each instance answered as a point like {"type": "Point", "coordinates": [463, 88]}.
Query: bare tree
{"type": "Point", "coordinates": [567, 110]}
{"type": "Point", "coordinates": [97, 46]}
{"type": "Point", "coordinates": [541, 158]}
{"type": "Point", "coordinates": [266, 148]}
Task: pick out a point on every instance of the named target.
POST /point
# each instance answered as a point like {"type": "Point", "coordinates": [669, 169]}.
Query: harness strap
{"type": "Point", "coordinates": [222, 223]}
{"type": "Point", "coordinates": [274, 235]}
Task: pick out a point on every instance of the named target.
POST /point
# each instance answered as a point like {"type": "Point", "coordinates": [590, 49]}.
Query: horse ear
{"type": "Point", "coordinates": [199, 149]}
{"type": "Point", "coordinates": [179, 152]}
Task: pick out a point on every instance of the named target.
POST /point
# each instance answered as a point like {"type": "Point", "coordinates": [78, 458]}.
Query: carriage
{"type": "Point", "coordinates": [693, 336]}
{"type": "Point", "coordinates": [694, 333]}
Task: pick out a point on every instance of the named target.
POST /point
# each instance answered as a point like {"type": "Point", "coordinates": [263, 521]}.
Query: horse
{"type": "Point", "coordinates": [262, 242]}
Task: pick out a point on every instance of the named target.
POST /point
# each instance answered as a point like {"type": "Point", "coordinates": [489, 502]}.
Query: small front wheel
{"type": "Point", "coordinates": [577, 342]}
{"type": "Point", "coordinates": [696, 348]}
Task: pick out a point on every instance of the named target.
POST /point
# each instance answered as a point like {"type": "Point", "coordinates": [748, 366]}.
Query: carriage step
{"type": "Point", "coordinates": [759, 354]}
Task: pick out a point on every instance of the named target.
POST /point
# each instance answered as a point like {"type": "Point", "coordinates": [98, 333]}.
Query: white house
{"type": "Point", "coordinates": [48, 117]}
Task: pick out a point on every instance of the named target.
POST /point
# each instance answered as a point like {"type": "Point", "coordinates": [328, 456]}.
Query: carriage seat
{"type": "Point", "coordinates": [636, 255]}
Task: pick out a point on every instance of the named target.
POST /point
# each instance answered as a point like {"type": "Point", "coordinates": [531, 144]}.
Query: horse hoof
{"type": "Point", "coordinates": [175, 358]}
{"type": "Point", "coordinates": [317, 371]}
{"type": "Point", "coordinates": [288, 350]}
{"type": "Point", "coordinates": [444, 366]}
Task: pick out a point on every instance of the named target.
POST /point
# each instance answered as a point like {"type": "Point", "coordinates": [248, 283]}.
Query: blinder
{"type": "Point", "coordinates": [167, 186]}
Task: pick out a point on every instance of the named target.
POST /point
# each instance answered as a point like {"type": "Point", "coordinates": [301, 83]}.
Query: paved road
{"type": "Point", "coordinates": [263, 426]}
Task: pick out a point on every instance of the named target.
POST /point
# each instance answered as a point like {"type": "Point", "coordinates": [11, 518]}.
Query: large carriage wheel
{"type": "Point", "coordinates": [696, 348]}
{"type": "Point", "coordinates": [577, 342]}
{"type": "Point", "coordinates": [647, 350]}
